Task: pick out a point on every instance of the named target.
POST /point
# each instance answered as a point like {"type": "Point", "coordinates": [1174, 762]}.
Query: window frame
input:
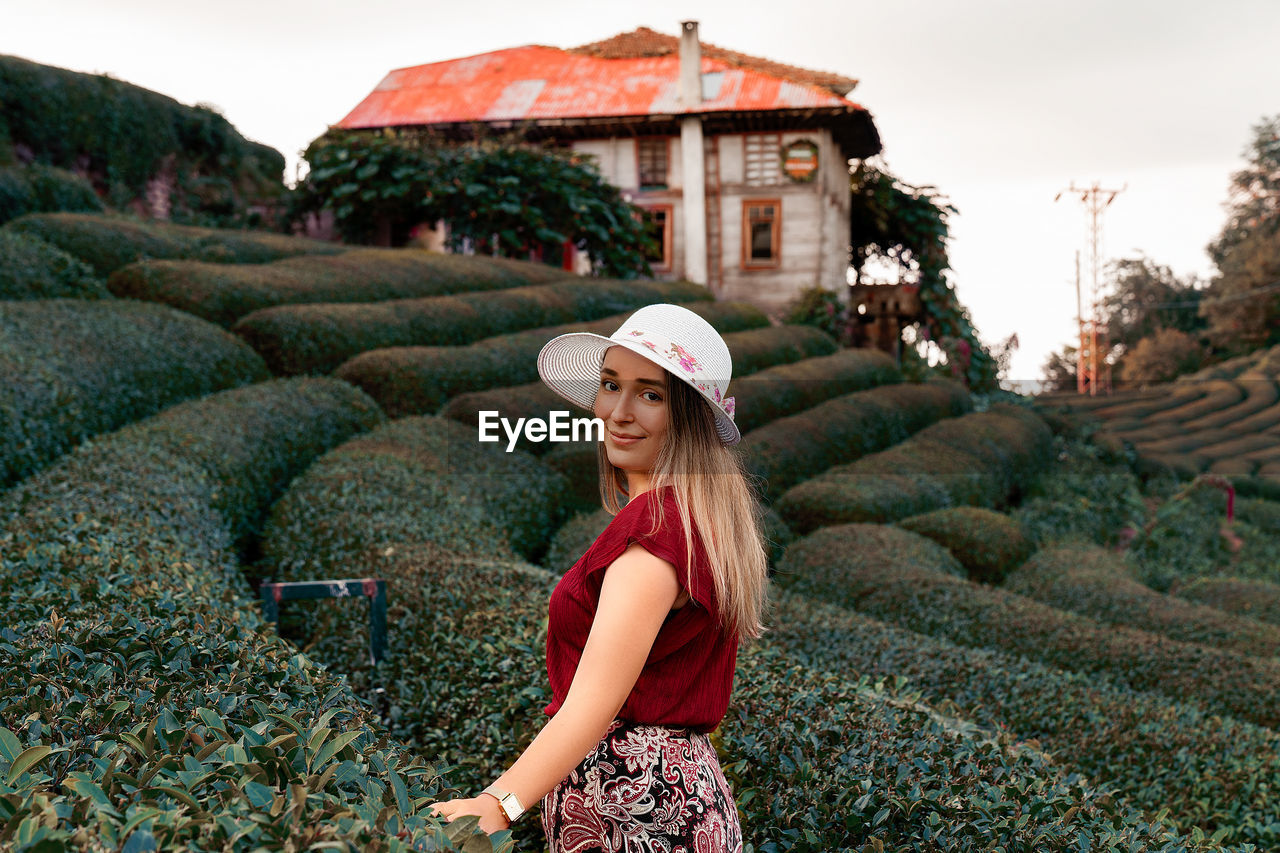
{"type": "Point", "coordinates": [749, 263]}
{"type": "Point", "coordinates": [666, 184]}
{"type": "Point", "coordinates": [668, 248]}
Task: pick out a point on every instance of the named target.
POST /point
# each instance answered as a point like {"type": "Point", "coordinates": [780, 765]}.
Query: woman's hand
{"type": "Point", "coordinates": [485, 806]}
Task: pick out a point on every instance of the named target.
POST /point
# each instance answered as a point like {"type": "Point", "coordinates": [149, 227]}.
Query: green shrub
{"type": "Point", "coordinates": [983, 459]}
{"type": "Point", "coordinates": [70, 369]}
{"type": "Point", "coordinates": [38, 188]}
{"type": "Point", "coordinates": [30, 268]}
{"type": "Point", "coordinates": [910, 581]}
{"type": "Point", "coordinates": [1241, 596]}
{"type": "Point", "coordinates": [1209, 772]}
{"type": "Point", "coordinates": [988, 544]}
{"type": "Point", "coordinates": [224, 292]}
{"type": "Point", "coordinates": [1097, 583]}
{"type": "Point", "coordinates": [297, 339]}
{"type": "Point", "coordinates": [791, 449]}
{"type": "Point", "coordinates": [1081, 495]}
{"type": "Point", "coordinates": [173, 719]}
{"type": "Point", "coordinates": [821, 761]}
{"type": "Point", "coordinates": [419, 380]}
{"type": "Point", "coordinates": [108, 243]}
{"type": "Point", "coordinates": [125, 135]}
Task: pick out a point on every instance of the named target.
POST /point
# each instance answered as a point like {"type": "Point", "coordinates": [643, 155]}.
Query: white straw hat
{"type": "Point", "coordinates": [674, 338]}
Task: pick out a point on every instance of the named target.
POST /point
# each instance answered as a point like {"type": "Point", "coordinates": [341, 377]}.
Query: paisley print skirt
{"type": "Point", "coordinates": [644, 789]}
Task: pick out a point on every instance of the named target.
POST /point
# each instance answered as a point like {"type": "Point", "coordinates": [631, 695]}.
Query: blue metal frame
{"type": "Point", "coordinates": [372, 588]}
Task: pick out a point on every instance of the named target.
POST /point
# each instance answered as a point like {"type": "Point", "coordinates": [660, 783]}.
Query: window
{"type": "Point", "coordinates": [763, 162]}
{"type": "Point", "coordinates": [761, 233]}
{"type": "Point", "coordinates": [651, 154]}
{"type": "Point", "coordinates": [659, 222]}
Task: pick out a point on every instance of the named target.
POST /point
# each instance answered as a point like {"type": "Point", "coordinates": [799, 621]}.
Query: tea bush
{"type": "Point", "coordinates": [143, 706]}
{"type": "Point", "coordinates": [419, 380]}
{"type": "Point", "coordinates": [224, 292]}
{"type": "Point", "coordinates": [1242, 596]}
{"type": "Point", "coordinates": [1094, 582]}
{"type": "Point", "coordinates": [911, 581]}
{"type": "Point", "coordinates": [796, 447]}
{"type": "Point", "coordinates": [988, 544]}
{"type": "Point", "coordinates": [983, 459]}
{"type": "Point", "coordinates": [1209, 772]}
{"type": "Point", "coordinates": [296, 339]}
{"type": "Point", "coordinates": [30, 268]}
{"type": "Point", "coordinates": [70, 369]}
{"type": "Point", "coordinates": [107, 243]}
{"type": "Point", "coordinates": [38, 188]}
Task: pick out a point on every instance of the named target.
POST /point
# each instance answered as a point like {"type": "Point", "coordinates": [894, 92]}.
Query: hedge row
{"type": "Point", "coordinates": [38, 188]}
{"type": "Point", "coordinates": [419, 503]}
{"type": "Point", "coordinates": [1209, 772]}
{"type": "Point", "coordinates": [1097, 583]}
{"type": "Point", "coordinates": [108, 243]}
{"type": "Point", "coordinates": [70, 369]}
{"type": "Point", "coordinates": [419, 380]}
{"type": "Point", "coordinates": [467, 677]}
{"type": "Point", "coordinates": [223, 293]}
{"type": "Point", "coordinates": [983, 459]}
{"type": "Point", "coordinates": [140, 692]}
{"type": "Point", "coordinates": [1242, 596]}
{"type": "Point", "coordinates": [908, 580]}
{"type": "Point", "coordinates": [1189, 538]}
{"type": "Point", "coordinates": [1084, 494]}
{"type": "Point", "coordinates": [30, 268]}
{"type": "Point", "coordinates": [297, 339]}
{"type": "Point", "coordinates": [988, 544]}
{"type": "Point", "coordinates": [794, 448]}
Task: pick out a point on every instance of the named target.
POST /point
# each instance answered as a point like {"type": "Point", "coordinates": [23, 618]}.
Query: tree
{"type": "Point", "coordinates": [1144, 296]}
{"type": "Point", "coordinates": [1242, 303]}
{"type": "Point", "coordinates": [906, 226]}
{"type": "Point", "coordinates": [499, 196]}
{"type": "Point", "coordinates": [1161, 357]}
{"type": "Point", "coordinates": [1059, 370]}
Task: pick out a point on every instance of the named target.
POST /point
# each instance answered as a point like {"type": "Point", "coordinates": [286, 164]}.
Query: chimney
{"type": "Point", "coordinates": [690, 65]}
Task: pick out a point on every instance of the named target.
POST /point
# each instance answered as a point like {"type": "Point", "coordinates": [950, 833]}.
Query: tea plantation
{"type": "Point", "coordinates": [995, 625]}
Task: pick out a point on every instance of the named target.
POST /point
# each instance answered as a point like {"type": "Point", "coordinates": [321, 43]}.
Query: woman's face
{"type": "Point", "coordinates": [632, 402]}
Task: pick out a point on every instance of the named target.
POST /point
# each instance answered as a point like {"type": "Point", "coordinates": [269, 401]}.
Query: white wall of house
{"type": "Point", "coordinates": [815, 214]}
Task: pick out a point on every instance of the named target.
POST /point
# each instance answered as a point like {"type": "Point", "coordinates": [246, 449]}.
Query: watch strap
{"type": "Point", "coordinates": [507, 801]}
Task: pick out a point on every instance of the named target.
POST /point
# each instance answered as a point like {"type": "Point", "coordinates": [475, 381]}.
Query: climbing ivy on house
{"type": "Point", "coordinates": [907, 225]}
{"type": "Point", "coordinates": [498, 196]}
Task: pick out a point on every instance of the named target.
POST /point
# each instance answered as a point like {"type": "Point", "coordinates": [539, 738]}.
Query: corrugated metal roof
{"type": "Point", "coordinates": [537, 82]}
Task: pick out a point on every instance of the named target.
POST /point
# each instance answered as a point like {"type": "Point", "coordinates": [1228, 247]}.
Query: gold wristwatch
{"type": "Point", "coordinates": [507, 801]}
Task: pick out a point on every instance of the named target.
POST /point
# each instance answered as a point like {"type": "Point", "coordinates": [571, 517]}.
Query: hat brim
{"type": "Point", "coordinates": [570, 366]}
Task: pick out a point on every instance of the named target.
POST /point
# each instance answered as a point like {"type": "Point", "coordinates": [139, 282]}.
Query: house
{"type": "Point", "coordinates": [743, 162]}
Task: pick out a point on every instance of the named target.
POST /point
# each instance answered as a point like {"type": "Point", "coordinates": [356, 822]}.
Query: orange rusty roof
{"type": "Point", "coordinates": [646, 42]}
{"type": "Point", "coordinates": [538, 82]}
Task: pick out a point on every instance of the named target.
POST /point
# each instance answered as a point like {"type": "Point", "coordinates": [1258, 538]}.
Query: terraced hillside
{"type": "Point", "coordinates": [1221, 420]}
{"type": "Point", "coordinates": [987, 634]}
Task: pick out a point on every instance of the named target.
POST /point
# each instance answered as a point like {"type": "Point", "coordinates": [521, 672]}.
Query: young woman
{"type": "Point", "coordinates": [644, 628]}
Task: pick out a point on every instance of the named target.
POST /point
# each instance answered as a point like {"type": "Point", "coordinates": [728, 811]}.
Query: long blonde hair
{"type": "Point", "coordinates": [711, 488]}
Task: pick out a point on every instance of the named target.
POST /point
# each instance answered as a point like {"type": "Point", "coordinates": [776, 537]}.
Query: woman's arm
{"type": "Point", "coordinates": [638, 591]}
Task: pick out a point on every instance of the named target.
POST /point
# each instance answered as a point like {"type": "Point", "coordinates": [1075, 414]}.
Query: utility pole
{"type": "Point", "coordinates": [1095, 199]}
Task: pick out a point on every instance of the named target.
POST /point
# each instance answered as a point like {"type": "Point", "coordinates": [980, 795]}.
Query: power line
{"type": "Point", "coordinates": [1217, 300]}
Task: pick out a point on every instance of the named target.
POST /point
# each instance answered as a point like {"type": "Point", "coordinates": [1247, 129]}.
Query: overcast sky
{"type": "Point", "coordinates": [998, 103]}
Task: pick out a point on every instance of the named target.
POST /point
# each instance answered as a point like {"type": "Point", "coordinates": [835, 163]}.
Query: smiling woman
{"type": "Point", "coordinates": [644, 629]}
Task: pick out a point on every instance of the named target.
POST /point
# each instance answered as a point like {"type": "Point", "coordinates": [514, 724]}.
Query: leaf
{"type": "Point", "coordinates": [10, 746]}
{"type": "Point", "coordinates": [28, 759]}
{"type": "Point", "coordinates": [402, 794]}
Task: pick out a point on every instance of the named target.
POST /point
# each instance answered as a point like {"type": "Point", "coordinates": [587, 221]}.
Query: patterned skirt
{"type": "Point", "coordinates": [654, 789]}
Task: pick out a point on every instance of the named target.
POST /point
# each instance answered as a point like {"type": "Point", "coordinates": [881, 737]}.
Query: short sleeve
{"type": "Point", "coordinates": [634, 524]}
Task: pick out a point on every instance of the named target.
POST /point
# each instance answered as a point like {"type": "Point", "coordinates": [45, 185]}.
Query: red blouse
{"type": "Point", "coordinates": [689, 673]}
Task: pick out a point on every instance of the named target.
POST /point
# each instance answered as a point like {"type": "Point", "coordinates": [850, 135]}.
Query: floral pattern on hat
{"type": "Point", "coordinates": [689, 363]}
